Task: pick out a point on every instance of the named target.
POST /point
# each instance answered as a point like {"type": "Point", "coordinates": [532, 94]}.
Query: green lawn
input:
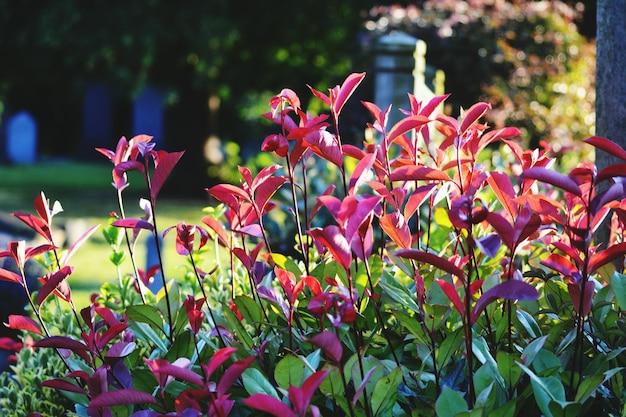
{"type": "Point", "coordinates": [85, 192]}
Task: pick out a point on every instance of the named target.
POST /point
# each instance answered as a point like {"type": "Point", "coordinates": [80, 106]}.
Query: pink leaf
{"type": "Point", "coordinates": [269, 404]}
{"type": "Point", "coordinates": [346, 90]}
{"type": "Point", "coordinates": [181, 373]}
{"type": "Point", "coordinates": [556, 179]}
{"type": "Point", "coordinates": [324, 144]}
{"type": "Point", "coordinates": [79, 242]}
{"type": "Point", "coordinates": [418, 173]}
{"type": "Point", "coordinates": [356, 214]}
{"type": "Point", "coordinates": [405, 125]}
{"type": "Point", "coordinates": [508, 290]}
{"type": "Point", "coordinates": [166, 163]}
{"type": "Point", "coordinates": [121, 397]}
{"type": "Point", "coordinates": [133, 224]}
{"type": "Point", "coordinates": [17, 322]}
{"type": "Point", "coordinates": [432, 259]}
{"type": "Point", "coordinates": [360, 174]}
{"type": "Point", "coordinates": [452, 295]}
{"type": "Point", "coordinates": [233, 373]}
{"type": "Point", "coordinates": [332, 239]}
{"type": "Point", "coordinates": [607, 146]}
{"type": "Point", "coordinates": [265, 190]}
{"type": "Point", "coordinates": [330, 344]}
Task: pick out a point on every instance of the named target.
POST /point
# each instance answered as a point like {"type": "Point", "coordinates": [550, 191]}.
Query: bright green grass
{"type": "Point", "coordinates": [85, 192]}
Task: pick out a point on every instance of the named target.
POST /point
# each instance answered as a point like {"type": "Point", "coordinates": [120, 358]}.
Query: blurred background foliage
{"type": "Point", "coordinates": [218, 62]}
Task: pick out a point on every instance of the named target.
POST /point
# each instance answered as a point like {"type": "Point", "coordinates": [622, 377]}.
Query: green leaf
{"type": "Point", "coordinates": [146, 313]}
{"type": "Point", "coordinates": [508, 368]}
{"type": "Point", "coordinates": [450, 403]}
{"type": "Point", "coordinates": [289, 371]}
{"type": "Point", "coordinates": [182, 347]}
{"type": "Point", "coordinates": [529, 323]}
{"type": "Point", "coordinates": [249, 309]}
{"type": "Point", "coordinates": [237, 327]}
{"type": "Point", "coordinates": [618, 284]}
{"type": "Point", "coordinates": [412, 325]}
{"type": "Point", "coordinates": [333, 383]}
{"type": "Point", "coordinates": [587, 387]}
{"type": "Point", "coordinates": [449, 345]}
{"type": "Point", "coordinates": [481, 351]}
{"type": "Point", "coordinates": [532, 349]}
{"type": "Point", "coordinates": [398, 292]}
{"type": "Point", "coordinates": [385, 393]}
{"type": "Point", "coordinates": [145, 332]}
{"type": "Point", "coordinates": [256, 383]}
{"type": "Point", "coordinates": [546, 390]}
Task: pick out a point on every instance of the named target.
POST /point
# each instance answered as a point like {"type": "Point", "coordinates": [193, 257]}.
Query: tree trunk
{"type": "Point", "coordinates": [610, 84]}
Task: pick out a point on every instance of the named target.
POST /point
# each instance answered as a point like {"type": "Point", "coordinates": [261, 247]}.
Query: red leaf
{"type": "Point", "coordinates": [10, 276]}
{"type": "Point", "coordinates": [330, 344]}
{"type": "Point", "coordinates": [508, 290]}
{"type": "Point", "coordinates": [452, 295]}
{"type": "Point", "coordinates": [228, 194]}
{"type": "Point", "coordinates": [62, 342]}
{"type": "Point", "coordinates": [397, 229]}
{"type": "Point", "coordinates": [218, 359]}
{"type": "Point", "coordinates": [133, 224]}
{"type": "Point", "coordinates": [473, 114]}
{"type": "Point", "coordinates": [162, 170]}
{"type": "Point", "coordinates": [346, 90]}
{"type": "Point", "coordinates": [503, 188]}
{"type": "Point", "coordinates": [418, 173]}
{"type": "Point", "coordinates": [356, 213]}
{"type": "Point", "coordinates": [121, 397]}
{"type": "Point", "coordinates": [607, 146]}
{"type": "Point", "coordinates": [556, 179]}
{"type": "Point", "coordinates": [36, 224]}
{"type": "Point", "coordinates": [574, 293]}
{"type": "Point", "coordinates": [608, 255]}
{"type": "Point", "coordinates": [265, 190]}
{"type": "Point", "coordinates": [17, 322]}
{"type": "Point", "coordinates": [52, 281]}
{"type": "Point", "coordinates": [615, 170]}
{"type": "Point", "coordinates": [269, 404]}
{"type": "Point", "coordinates": [332, 239]}
{"type": "Point", "coordinates": [432, 259]}
{"type": "Point", "coordinates": [417, 198]}
{"type": "Point", "coordinates": [560, 264]}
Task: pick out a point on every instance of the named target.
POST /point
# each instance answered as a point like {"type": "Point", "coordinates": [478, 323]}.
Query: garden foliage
{"type": "Point", "coordinates": [439, 269]}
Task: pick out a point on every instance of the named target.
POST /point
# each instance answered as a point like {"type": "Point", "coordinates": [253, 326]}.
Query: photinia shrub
{"type": "Point", "coordinates": [428, 279]}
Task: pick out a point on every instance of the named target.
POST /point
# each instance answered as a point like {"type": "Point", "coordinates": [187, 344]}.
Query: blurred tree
{"type": "Point", "coordinates": [525, 57]}
{"type": "Point", "coordinates": [232, 49]}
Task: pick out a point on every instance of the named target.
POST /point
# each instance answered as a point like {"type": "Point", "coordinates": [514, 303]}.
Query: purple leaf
{"type": "Point", "coordinates": [62, 342]}
{"type": "Point", "coordinates": [121, 397]}
{"type": "Point", "coordinates": [432, 259]}
{"type": "Point", "coordinates": [556, 179]}
{"type": "Point", "coordinates": [508, 290]}
{"type": "Point", "coordinates": [330, 344]}
{"type": "Point", "coordinates": [181, 373]}
{"type": "Point", "coordinates": [502, 227]}
{"type": "Point", "coordinates": [163, 168]}
{"type": "Point", "coordinates": [489, 245]}
{"type": "Point", "coordinates": [62, 384]}
{"type": "Point", "coordinates": [362, 385]}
